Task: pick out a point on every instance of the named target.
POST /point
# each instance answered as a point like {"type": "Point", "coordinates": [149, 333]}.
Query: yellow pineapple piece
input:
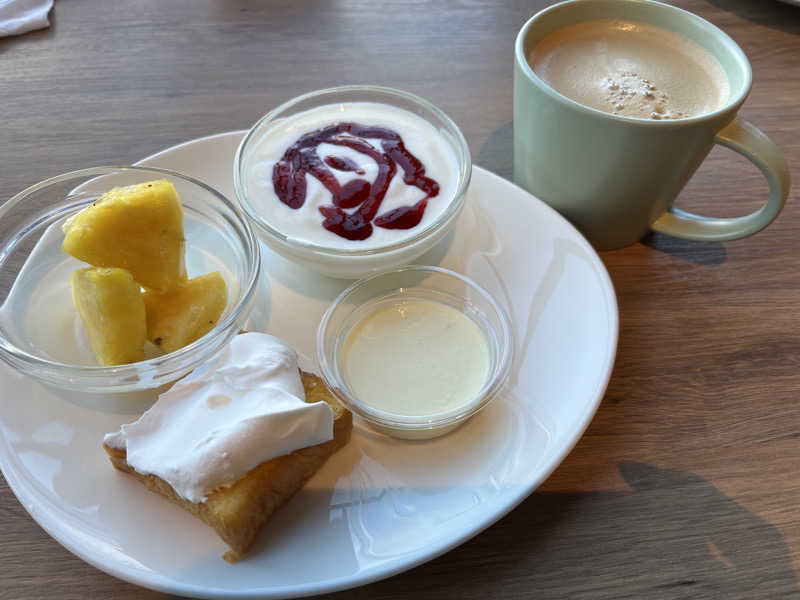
{"type": "Point", "coordinates": [138, 228]}
{"type": "Point", "coordinates": [181, 316]}
{"type": "Point", "coordinates": [110, 305]}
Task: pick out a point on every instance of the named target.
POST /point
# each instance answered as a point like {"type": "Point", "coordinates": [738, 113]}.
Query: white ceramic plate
{"type": "Point", "coordinates": [379, 506]}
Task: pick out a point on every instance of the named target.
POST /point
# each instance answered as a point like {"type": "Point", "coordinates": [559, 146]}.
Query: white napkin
{"type": "Point", "coordinates": [19, 16]}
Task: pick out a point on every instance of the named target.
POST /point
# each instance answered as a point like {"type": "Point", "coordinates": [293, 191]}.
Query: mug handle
{"type": "Point", "coordinates": [753, 144]}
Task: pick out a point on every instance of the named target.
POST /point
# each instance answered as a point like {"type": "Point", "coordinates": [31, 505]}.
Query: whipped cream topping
{"type": "Point", "coordinates": [227, 417]}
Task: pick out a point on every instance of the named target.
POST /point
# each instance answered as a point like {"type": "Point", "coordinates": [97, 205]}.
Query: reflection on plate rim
{"type": "Point", "coordinates": [149, 579]}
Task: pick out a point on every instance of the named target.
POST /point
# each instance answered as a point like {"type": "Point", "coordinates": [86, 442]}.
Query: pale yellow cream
{"type": "Point", "coordinates": [416, 358]}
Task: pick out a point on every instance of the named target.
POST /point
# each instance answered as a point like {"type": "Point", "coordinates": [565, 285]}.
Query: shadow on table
{"type": "Point", "coordinates": [777, 15]}
{"type": "Point", "coordinates": [497, 152]}
{"type": "Point", "coordinates": [701, 253]}
{"type": "Point", "coordinates": [674, 536]}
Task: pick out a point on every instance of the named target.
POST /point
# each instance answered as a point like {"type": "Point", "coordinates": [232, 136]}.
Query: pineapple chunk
{"type": "Point", "coordinates": [110, 305]}
{"type": "Point", "coordinates": [181, 316]}
{"type": "Point", "coordinates": [138, 228]}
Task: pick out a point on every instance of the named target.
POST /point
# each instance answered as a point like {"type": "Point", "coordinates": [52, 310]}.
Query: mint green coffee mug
{"type": "Point", "coordinates": [616, 176]}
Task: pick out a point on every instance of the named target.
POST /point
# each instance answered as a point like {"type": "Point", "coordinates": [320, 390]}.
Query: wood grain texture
{"type": "Point", "coordinates": [685, 484]}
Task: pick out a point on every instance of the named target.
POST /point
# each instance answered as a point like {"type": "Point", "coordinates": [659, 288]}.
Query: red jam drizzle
{"type": "Point", "coordinates": [289, 179]}
{"type": "Point", "coordinates": [342, 163]}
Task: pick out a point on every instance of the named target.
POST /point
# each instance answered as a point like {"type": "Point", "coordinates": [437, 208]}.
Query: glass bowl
{"type": "Point", "coordinates": [253, 169]}
{"type": "Point", "coordinates": [393, 288]}
{"type": "Point", "coordinates": [40, 332]}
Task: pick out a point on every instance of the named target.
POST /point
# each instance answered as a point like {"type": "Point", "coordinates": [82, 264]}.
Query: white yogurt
{"type": "Point", "coordinates": [305, 223]}
{"type": "Point", "coordinates": [416, 358]}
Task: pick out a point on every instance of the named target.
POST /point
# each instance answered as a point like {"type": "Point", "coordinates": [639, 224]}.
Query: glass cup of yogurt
{"type": "Point", "coordinates": [351, 180]}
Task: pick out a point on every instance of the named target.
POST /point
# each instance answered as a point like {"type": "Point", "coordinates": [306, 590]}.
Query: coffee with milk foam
{"type": "Point", "coordinates": [631, 69]}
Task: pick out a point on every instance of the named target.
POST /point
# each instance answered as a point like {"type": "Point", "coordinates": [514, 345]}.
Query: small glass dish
{"type": "Point", "coordinates": [40, 332]}
{"type": "Point", "coordinates": [348, 262]}
{"type": "Point", "coordinates": [413, 282]}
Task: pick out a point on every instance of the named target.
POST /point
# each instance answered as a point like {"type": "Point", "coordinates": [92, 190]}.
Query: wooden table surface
{"type": "Point", "coordinates": [685, 484]}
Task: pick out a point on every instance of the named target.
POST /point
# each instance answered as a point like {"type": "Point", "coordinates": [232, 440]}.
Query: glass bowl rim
{"type": "Point", "coordinates": [10, 352]}
{"type": "Point", "coordinates": [495, 380]}
{"type": "Point", "coordinates": [464, 175]}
